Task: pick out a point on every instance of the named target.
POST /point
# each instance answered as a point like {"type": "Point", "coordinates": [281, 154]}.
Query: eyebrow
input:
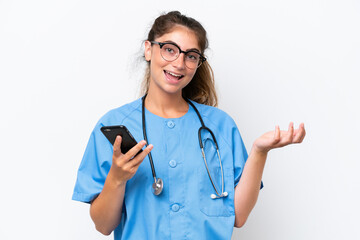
{"type": "Point", "coordinates": [191, 49]}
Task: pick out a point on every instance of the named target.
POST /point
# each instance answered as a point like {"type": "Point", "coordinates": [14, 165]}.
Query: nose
{"type": "Point", "coordinates": [179, 63]}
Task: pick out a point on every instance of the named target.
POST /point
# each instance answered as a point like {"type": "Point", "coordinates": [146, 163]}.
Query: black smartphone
{"type": "Point", "coordinates": [128, 141]}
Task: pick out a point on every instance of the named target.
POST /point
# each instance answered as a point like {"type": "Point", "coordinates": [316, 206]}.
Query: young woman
{"type": "Point", "coordinates": [204, 181]}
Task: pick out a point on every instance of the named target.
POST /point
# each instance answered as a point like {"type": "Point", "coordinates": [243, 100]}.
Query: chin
{"type": "Point", "coordinates": [173, 91]}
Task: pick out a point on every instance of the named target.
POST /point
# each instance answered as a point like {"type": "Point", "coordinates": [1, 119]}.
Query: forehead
{"type": "Point", "coordinates": [184, 37]}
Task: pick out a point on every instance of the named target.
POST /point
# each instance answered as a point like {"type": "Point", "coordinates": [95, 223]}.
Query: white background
{"type": "Point", "coordinates": [63, 64]}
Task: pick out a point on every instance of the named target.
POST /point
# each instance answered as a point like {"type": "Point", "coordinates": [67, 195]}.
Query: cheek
{"type": "Point", "coordinates": [156, 68]}
{"type": "Point", "coordinates": [158, 62]}
{"type": "Point", "coordinates": [190, 77]}
{"type": "Point", "coordinates": [192, 73]}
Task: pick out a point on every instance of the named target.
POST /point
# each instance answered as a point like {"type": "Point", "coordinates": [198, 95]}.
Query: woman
{"type": "Point", "coordinates": [201, 198]}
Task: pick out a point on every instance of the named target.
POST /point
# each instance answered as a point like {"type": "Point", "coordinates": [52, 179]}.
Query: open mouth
{"type": "Point", "coordinates": [173, 76]}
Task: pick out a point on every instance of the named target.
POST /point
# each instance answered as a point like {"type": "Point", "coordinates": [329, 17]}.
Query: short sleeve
{"type": "Point", "coordinates": [240, 155]}
{"type": "Point", "coordinates": [94, 167]}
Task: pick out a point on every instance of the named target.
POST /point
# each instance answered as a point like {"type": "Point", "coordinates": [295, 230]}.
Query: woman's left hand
{"type": "Point", "coordinates": [277, 138]}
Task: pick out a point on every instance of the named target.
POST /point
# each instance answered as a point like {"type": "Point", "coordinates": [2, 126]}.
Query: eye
{"type": "Point", "coordinates": [193, 56]}
{"type": "Point", "coordinates": [169, 50]}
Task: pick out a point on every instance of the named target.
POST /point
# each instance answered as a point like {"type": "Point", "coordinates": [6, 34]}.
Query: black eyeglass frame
{"type": "Point", "coordinates": [161, 44]}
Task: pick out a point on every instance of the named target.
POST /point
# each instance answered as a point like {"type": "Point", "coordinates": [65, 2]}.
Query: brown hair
{"type": "Point", "coordinates": [201, 88]}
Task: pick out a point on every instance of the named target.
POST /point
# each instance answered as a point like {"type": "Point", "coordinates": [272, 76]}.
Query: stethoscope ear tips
{"type": "Point", "coordinates": [224, 194]}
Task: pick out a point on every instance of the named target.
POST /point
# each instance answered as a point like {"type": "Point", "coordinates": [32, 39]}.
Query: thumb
{"type": "Point", "coordinates": [116, 146]}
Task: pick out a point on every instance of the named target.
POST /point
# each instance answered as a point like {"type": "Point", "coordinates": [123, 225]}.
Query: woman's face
{"type": "Point", "coordinates": [171, 77]}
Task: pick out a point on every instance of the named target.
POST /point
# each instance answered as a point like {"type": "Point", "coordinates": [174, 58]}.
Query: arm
{"type": "Point", "coordinates": [247, 190]}
{"type": "Point", "coordinates": [106, 209]}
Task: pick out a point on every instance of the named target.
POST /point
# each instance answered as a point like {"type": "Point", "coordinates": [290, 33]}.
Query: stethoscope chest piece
{"type": "Point", "coordinates": [157, 186]}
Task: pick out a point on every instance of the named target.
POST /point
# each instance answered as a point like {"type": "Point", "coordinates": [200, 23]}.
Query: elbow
{"type": "Point", "coordinates": [103, 231]}
{"type": "Point", "coordinates": [239, 222]}
{"type": "Point", "coordinates": [238, 225]}
{"type": "Point", "coordinates": [99, 225]}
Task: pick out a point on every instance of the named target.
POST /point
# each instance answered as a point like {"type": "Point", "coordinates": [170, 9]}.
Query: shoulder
{"type": "Point", "coordinates": [214, 114]}
{"type": "Point", "coordinates": [120, 114]}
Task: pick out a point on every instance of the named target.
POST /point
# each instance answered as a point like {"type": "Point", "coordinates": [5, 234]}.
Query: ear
{"type": "Point", "coordinates": [147, 52]}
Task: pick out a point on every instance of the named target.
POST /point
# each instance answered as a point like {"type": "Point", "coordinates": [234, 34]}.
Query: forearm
{"type": "Point", "coordinates": [106, 209]}
{"type": "Point", "coordinates": [247, 190]}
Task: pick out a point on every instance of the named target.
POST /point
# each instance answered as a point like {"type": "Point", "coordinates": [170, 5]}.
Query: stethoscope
{"type": "Point", "coordinates": [158, 184]}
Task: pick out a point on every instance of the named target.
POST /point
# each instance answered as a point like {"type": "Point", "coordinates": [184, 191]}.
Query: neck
{"type": "Point", "coordinates": [166, 105]}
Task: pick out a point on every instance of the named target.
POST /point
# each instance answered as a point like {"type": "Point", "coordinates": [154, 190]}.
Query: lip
{"type": "Point", "coordinates": [172, 81]}
{"type": "Point", "coordinates": [178, 74]}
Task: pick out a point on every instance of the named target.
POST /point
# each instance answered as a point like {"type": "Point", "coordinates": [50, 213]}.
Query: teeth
{"type": "Point", "coordinates": [173, 74]}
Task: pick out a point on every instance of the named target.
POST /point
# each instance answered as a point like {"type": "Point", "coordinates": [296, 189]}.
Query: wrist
{"type": "Point", "coordinates": [259, 152]}
{"type": "Point", "coordinates": [115, 180]}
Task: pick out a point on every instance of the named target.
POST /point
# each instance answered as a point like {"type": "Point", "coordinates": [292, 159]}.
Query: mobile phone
{"type": "Point", "coordinates": [128, 141]}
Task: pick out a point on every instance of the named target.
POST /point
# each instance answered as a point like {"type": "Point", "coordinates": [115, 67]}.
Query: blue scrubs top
{"type": "Point", "coordinates": [184, 210]}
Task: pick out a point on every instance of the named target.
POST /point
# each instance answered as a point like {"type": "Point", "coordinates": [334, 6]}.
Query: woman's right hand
{"type": "Point", "coordinates": [125, 165]}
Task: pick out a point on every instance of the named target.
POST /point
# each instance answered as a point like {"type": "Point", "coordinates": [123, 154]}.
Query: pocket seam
{"type": "Point", "coordinates": [215, 211]}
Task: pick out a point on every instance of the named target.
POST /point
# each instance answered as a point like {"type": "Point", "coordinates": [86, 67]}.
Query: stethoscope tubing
{"type": "Point", "coordinates": [145, 138]}
{"type": "Point", "coordinates": [158, 183]}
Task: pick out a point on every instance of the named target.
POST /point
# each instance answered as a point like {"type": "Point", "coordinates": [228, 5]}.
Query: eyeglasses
{"type": "Point", "coordinates": [170, 52]}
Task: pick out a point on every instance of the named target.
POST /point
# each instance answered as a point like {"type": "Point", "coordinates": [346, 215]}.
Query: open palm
{"type": "Point", "coordinates": [278, 138]}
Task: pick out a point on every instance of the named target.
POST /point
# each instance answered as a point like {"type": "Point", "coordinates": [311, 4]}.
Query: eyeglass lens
{"type": "Point", "coordinates": [170, 53]}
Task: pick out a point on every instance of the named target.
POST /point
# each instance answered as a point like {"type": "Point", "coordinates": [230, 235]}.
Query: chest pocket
{"type": "Point", "coordinates": [220, 206]}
